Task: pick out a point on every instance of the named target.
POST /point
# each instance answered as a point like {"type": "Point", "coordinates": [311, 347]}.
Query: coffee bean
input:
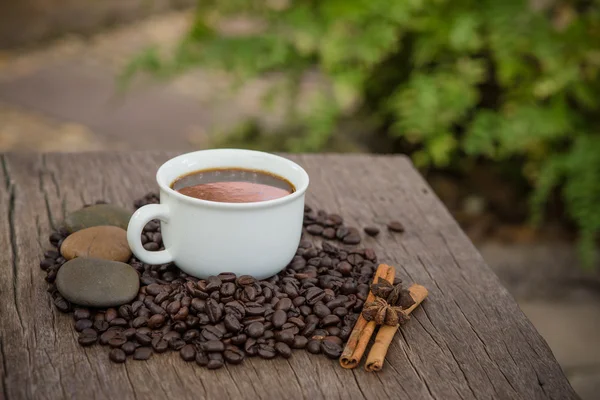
{"type": "Point", "coordinates": [334, 339]}
{"type": "Point", "coordinates": [87, 337]}
{"type": "Point", "coordinates": [285, 336]}
{"type": "Point", "coordinates": [245, 280]}
{"type": "Point", "coordinates": [213, 310]}
{"type": "Point", "coordinates": [328, 233]}
{"type": "Point", "coordinates": [139, 322]}
{"type": "Point", "coordinates": [101, 325]}
{"type": "Point", "coordinates": [239, 339]}
{"type": "Point", "coordinates": [249, 293]}
{"type": "Point", "coordinates": [331, 349]}
{"type": "Point", "coordinates": [215, 361]}
{"type": "Point", "coordinates": [255, 329]}
{"type": "Point", "coordinates": [126, 312]}
{"type": "Point", "coordinates": [155, 321]}
{"type": "Point", "coordinates": [279, 318]}
{"type": "Point", "coordinates": [284, 304]}
{"type": "Point", "coordinates": [254, 311]}
{"type": "Point", "coordinates": [227, 277]}
{"type": "Point", "coordinates": [236, 309]}
{"type": "Point", "coordinates": [320, 333]}
{"type": "Point", "coordinates": [118, 322]}
{"type": "Point", "coordinates": [213, 283]}
{"type": "Point", "coordinates": [314, 229]}
{"type": "Point", "coordinates": [232, 324]}
{"type": "Point", "coordinates": [330, 320]}
{"type": "Point", "coordinates": [233, 355]}
{"type": "Point", "coordinates": [129, 333]}
{"type": "Point", "coordinates": [349, 287]}
{"type": "Point", "coordinates": [202, 359]}
{"type": "Point", "coordinates": [395, 226]}
{"type": "Point", "coordinates": [117, 356]}
{"type": "Point", "coordinates": [340, 311]}
{"type": "Point", "coordinates": [81, 313]}
{"type": "Point", "coordinates": [267, 352]}
{"type": "Point", "coordinates": [182, 314]}
{"type": "Point", "coordinates": [159, 345]}
{"type": "Point", "coordinates": [173, 307]}
{"type": "Point", "coordinates": [129, 348]}
{"type": "Point", "coordinates": [251, 347]}
{"type": "Point", "coordinates": [371, 230]}
{"type": "Point", "coordinates": [299, 342]}
{"type": "Point", "coordinates": [142, 353]}
{"type": "Point", "coordinates": [117, 341]}
{"type": "Point", "coordinates": [110, 314]}
{"type": "Point", "coordinates": [176, 343]}
{"type": "Point", "coordinates": [227, 289]}
{"type": "Point", "coordinates": [210, 332]}
{"type": "Point", "coordinates": [142, 339]}
{"type": "Point", "coordinates": [213, 346]}
{"type": "Point", "coordinates": [314, 295]}
{"type": "Point", "coordinates": [107, 336]}
{"type": "Point", "coordinates": [351, 239]}
{"type": "Point", "coordinates": [82, 324]}
{"type": "Point", "coordinates": [305, 310]}
{"type": "Point", "coordinates": [313, 346]}
{"type": "Point", "coordinates": [188, 352]}
{"type": "Point", "coordinates": [321, 310]}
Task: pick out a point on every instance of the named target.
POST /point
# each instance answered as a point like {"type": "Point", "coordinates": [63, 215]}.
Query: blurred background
{"type": "Point", "coordinates": [496, 101]}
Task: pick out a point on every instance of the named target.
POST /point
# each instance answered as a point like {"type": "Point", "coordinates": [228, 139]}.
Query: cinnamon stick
{"type": "Point", "coordinates": [363, 330]}
{"type": "Point", "coordinates": [386, 333]}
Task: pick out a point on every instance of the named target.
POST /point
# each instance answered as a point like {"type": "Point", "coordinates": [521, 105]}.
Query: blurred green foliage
{"type": "Point", "coordinates": [492, 79]}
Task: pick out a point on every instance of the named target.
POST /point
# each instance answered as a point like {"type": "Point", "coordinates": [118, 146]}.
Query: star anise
{"type": "Point", "coordinates": [394, 295]}
{"type": "Point", "coordinates": [383, 313]}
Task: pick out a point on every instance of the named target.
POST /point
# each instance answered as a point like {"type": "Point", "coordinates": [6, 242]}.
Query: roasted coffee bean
{"type": "Point", "coordinates": [239, 339]}
{"type": "Point", "coordinates": [349, 287]}
{"type": "Point", "coordinates": [249, 293]}
{"type": "Point", "coordinates": [227, 277]}
{"type": "Point", "coordinates": [245, 280]}
{"type": "Point", "coordinates": [176, 343]}
{"type": "Point", "coordinates": [117, 341]}
{"type": "Point", "coordinates": [212, 346]}
{"type": "Point", "coordinates": [297, 321]}
{"type": "Point", "coordinates": [298, 301]}
{"type": "Point", "coordinates": [129, 333]}
{"type": "Point", "coordinates": [305, 310]}
{"type": "Point", "coordinates": [213, 310]}
{"type": "Point", "coordinates": [334, 339]}
{"type": "Point", "coordinates": [331, 349]}
{"type": "Point", "coordinates": [215, 361]}
{"type": "Point", "coordinates": [87, 337]}
{"type": "Point", "coordinates": [162, 296]}
{"type": "Point", "coordinates": [283, 304]}
{"type": "Point", "coordinates": [227, 289]}
{"type": "Point", "coordinates": [267, 352]}
{"type": "Point", "coordinates": [129, 348]}
{"type": "Point", "coordinates": [203, 319]}
{"type": "Point", "coordinates": [81, 313]}
{"type": "Point", "coordinates": [299, 342]}
{"type": "Point", "coordinates": [182, 314]}
{"type": "Point", "coordinates": [155, 321]}
{"type": "Point", "coordinates": [321, 310]}
{"type": "Point", "coordinates": [198, 305]}
{"type": "Point", "coordinates": [101, 325]}
{"type": "Point", "coordinates": [255, 329]}
{"type": "Point", "coordinates": [213, 283]}
{"type": "Point", "coordinates": [110, 314]}
{"type": "Point", "coordinates": [82, 324]}
{"type": "Point", "coordinates": [210, 332]}
{"type": "Point", "coordinates": [117, 356]}
{"type": "Point", "coordinates": [126, 312]}
{"type": "Point", "coordinates": [340, 311]}
{"type": "Point", "coordinates": [251, 347]}
{"type": "Point", "coordinates": [173, 307]}
{"type": "Point", "coordinates": [298, 263]}
{"type": "Point", "coordinates": [202, 358]}
{"type": "Point", "coordinates": [155, 309]}
{"type": "Point", "coordinates": [279, 318]}
{"type": "Point", "coordinates": [313, 346]}
{"type": "Point", "coordinates": [142, 339]}
{"type": "Point", "coordinates": [188, 352]}
{"type": "Point", "coordinates": [328, 233]}
{"type": "Point", "coordinates": [395, 226]}
{"type": "Point", "coordinates": [254, 311]}
{"type": "Point", "coordinates": [371, 230]}
{"type": "Point", "coordinates": [337, 302]}
{"type": "Point", "coordinates": [330, 320]}
{"type": "Point", "coordinates": [118, 322]}
{"type": "Point", "coordinates": [139, 322]}
{"type": "Point", "coordinates": [320, 333]}
{"type": "Point", "coordinates": [159, 345]}
{"type": "Point", "coordinates": [236, 309]}
{"type": "Point", "coordinates": [142, 353]}
{"type": "Point", "coordinates": [233, 355]}
{"type": "Point", "coordinates": [107, 336]}
{"type": "Point", "coordinates": [314, 229]}
{"type": "Point", "coordinates": [314, 295]}
{"type": "Point", "coordinates": [232, 324]}
{"type": "Point", "coordinates": [285, 336]}
{"type": "Point", "coordinates": [341, 232]}
{"type": "Point", "coordinates": [351, 238]}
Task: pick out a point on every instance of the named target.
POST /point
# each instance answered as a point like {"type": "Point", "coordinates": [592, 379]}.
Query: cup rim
{"type": "Point", "coordinates": [240, 206]}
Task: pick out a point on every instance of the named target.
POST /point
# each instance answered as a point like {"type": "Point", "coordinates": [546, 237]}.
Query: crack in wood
{"type": "Point", "coordinates": [4, 369]}
{"type": "Point", "coordinates": [297, 378]}
{"type": "Point", "coordinates": [358, 384]}
{"type": "Point", "coordinates": [130, 382]}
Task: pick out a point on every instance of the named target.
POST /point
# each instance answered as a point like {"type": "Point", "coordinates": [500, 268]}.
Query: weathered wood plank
{"type": "Point", "coordinates": [468, 340]}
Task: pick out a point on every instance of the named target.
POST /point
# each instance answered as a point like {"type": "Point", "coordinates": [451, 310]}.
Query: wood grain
{"type": "Point", "coordinates": [468, 340]}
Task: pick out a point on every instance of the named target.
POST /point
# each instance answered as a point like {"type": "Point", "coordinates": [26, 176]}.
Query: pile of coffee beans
{"type": "Point", "coordinates": [312, 304]}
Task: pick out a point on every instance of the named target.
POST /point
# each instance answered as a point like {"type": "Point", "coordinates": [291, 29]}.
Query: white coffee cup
{"type": "Point", "coordinates": [206, 238]}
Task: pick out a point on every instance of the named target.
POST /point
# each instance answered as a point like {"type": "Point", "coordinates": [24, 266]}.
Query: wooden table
{"type": "Point", "coordinates": [468, 340]}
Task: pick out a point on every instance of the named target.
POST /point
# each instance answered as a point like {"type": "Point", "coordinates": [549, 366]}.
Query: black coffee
{"type": "Point", "coordinates": [233, 185]}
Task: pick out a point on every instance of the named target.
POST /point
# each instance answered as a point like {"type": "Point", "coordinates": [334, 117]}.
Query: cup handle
{"type": "Point", "coordinates": [136, 225]}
